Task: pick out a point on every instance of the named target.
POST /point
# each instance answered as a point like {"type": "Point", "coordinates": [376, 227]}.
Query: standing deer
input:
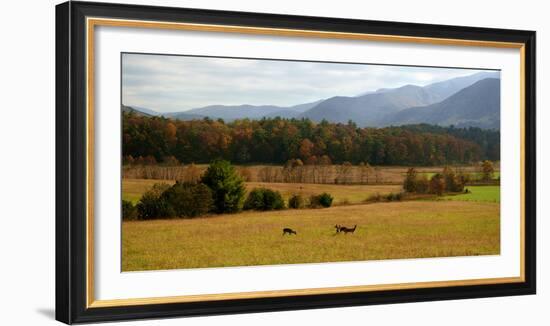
{"type": "Point", "coordinates": [347, 230]}
{"type": "Point", "coordinates": [289, 231]}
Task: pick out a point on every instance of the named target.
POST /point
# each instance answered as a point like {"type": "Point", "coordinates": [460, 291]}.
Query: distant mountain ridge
{"type": "Point", "coordinates": [370, 109]}
{"type": "Point", "coordinates": [233, 112]}
{"type": "Point", "coordinates": [383, 107]}
{"type": "Point", "coordinates": [373, 108]}
{"type": "Point", "coordinates": [477, 105]}
{"type": "Point", "coordinates": [139, 112]}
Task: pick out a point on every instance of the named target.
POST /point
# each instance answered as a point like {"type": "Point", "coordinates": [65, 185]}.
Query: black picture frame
{"type": "Point", "coordinates": [71, 157]}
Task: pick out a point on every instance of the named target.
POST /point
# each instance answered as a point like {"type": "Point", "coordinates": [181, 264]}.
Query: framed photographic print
{"type": "Point", "coordinates": [213, 162]}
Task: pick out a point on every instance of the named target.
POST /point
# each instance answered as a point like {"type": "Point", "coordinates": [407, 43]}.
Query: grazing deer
{"type": "Point", "coordinates": [348, 230]}
{"type": "Point", "coordinates": [289, 231]}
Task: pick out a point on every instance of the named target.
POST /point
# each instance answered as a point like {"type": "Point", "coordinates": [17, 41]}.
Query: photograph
{"type": "Point", "coordinates": [223, 161]}
{"type": "Point", "coordinates": [236, 161]}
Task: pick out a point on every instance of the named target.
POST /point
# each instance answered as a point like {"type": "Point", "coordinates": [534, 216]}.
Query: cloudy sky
{"type": "Point", "coordinates": [178, 83]}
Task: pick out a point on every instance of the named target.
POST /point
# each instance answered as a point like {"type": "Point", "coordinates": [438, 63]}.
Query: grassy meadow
{"type": "Point", "coordinates": [411, 229]}
{"type": "Point", "coordinates": [133, 189]}
{"type": "Point", "coordinates": [453, 225]}
{"type": "Point", "coordinates": [352, 194]}
{"type": "Point", "coordinates": [478, 193]}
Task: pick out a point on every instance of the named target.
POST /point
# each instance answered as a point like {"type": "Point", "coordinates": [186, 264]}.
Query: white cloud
{"type": "Point", "coordinates": [175, 83]}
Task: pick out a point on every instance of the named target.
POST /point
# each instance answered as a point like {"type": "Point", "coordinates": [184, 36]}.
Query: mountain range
{"type": "Point", "coordinates": [477, 105]}
{"type": "Point", "coordinates": [472, 100]}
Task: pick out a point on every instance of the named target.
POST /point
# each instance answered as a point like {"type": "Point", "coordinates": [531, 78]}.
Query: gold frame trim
{"type": "Point", "coordinates": [92, 22]}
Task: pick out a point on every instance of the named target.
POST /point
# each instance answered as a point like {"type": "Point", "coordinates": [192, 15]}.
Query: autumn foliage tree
{"type": "Point", "coordinates": [487, 170]}
{"type": "Point", "coordinates": [275, 141]}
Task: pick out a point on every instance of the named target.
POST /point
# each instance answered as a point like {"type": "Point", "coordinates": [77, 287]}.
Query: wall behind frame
{"type": "Point", "coordinates": [27, 164]}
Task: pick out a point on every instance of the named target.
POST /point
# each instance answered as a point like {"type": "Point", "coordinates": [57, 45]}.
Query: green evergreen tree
{"type": "Point", "coordinates": [227, 187]}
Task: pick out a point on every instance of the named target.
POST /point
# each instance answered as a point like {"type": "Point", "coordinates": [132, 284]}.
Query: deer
{"type": "Point", "coordinates": [289, 231]}
{"type": "Point", "coordinates": [337, 227]}
{"type": "Point", "coordinates": [347, 230]}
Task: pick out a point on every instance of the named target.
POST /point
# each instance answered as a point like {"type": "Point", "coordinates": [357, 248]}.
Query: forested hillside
{"type": "Point", "coordinates": [275, 141]}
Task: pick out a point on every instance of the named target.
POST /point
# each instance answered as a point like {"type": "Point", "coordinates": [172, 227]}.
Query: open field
{"type": "Point", "coordinates": [384, 231]}
{"type": "Point", "coordinates": [478, 193]}
{"type": "Point", "coordinates": [351, 194]}
{"type": "Point", "coordinates": [134, 188]}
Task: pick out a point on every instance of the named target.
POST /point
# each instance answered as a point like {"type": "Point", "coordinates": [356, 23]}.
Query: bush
{"type": "Point", "coordinates": [263, 199]}
{"type": "Point", "coordinates": [322, 200]}
{"type": "Point", "coordinates": [437, 184]}
{"type": "Point", "coordinates": [152, 205]}
{"type": "Point", "coordinates": [227, 186]}
{"type": "Point", "coordinates": [273, 200]}
{"type": "Point", "coordinates": [129, 211]}
{"type": "Point", "coordinates": [188, 199]}
{"type": "Point", "coordinates": [448, 181]}
{"type": "Point", "coordinates": [296, 202]}
{"type": "Point", "coordinates": [453, 182]}
{"type": "Point", "coordinates": [487, 170]}
{"type": "Point", "coordinates": [409, 184]}
{"type": "Point", "coordinates": [394, 196]}
{"type": "Point", "coordinates": [255, 199]}
{"type": "Point", "coordinates": [422, 185]}
{"type": "Point", "coordinates": [415, 183]}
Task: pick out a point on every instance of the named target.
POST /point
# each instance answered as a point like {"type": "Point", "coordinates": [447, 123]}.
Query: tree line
{"type": "Point", "coordinates": [449, 180]}
{"type": "Point", "coordinates": [154, 140]}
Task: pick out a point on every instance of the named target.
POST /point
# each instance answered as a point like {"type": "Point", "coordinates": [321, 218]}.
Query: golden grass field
{"type": "Point", "coordinates": [132, 189]}
{"type": "Point", "coordinates": [412, 229]}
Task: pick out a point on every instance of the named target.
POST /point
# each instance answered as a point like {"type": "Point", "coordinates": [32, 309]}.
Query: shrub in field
{"type": "Point", "coordinates": [422, 184]}
{"type": "Point", "coordinates": [322, 200]}
{"type": "Point", "coordinates": [415, 183]}
{"type": "Point", "coordinates": [227, 186]}
{"type": "Point", "coordinates": [129, 211]}
{"type": "Point", "coordinates": [447, 181]}
{"type": "Point", "coordinates": [273, 200]}
{"type": "Point", "coordinates": [453, 182]}
{"type": "Point", "coordinates": [188, 199]}
{"type": "Point", "coordinates": [487, 170]}
{"type": "Point", "coordinates": [394, 196]}
{"type": "Point", "coordinates": [409, 184]}
{"type": "Point", "coordinates": [152, 205]}
{"type": "Point", "coordinates": [255, 199]}
{"type": "Point", "coordinates": [437, 184]}
{"type": "Point", "coordinates": [296, 202]}
{"type": "Point", "coordinates": [263, 199]}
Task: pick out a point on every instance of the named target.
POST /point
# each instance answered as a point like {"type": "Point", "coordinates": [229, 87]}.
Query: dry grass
{"type": "Point", "coordinates": [342, 193]}
{"type": "Point", "coordinates": [384, 231]}
{"type": "Point", "coordinates": [132, 189]}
